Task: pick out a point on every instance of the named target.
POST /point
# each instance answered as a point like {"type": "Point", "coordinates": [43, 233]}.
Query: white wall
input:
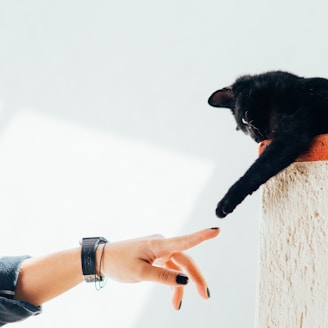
{"type": "Point", "coordinates": [105, 129]}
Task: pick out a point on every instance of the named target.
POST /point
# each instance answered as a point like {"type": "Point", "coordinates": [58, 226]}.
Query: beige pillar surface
{"type": "Point", "coordinates": [293, 264]}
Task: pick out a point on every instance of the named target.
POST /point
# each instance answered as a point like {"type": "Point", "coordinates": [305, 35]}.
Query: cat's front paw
{"type": "Point", "coordinates": [223, 209]}
{"type": "Point", "coordinates": [232, 198]}
{"type": "Point", "coordinates": [227, 204]}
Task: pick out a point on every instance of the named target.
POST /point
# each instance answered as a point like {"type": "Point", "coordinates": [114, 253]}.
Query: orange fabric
{"type": "Point", "coordinates": [317, 152]}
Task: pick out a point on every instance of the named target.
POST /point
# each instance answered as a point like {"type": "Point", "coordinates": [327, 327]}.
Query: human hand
{"type": "Point", "coordinates": [157, 259]}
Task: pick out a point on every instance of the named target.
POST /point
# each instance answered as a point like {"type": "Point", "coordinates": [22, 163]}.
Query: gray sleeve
{"type": "Point", "coordinates": [12, 310]}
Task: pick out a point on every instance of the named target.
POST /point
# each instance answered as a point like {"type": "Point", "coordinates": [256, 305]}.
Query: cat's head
{"type": "Point", "coordinates": [247, 104]}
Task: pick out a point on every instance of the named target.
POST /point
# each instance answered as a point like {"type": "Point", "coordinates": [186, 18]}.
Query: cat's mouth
{"type": "Point", "coordinates": [249, 128]}
{"type": "Point", "coordinates": [258, 139]}
{"type": "Point", "coordinates": [254, 133]}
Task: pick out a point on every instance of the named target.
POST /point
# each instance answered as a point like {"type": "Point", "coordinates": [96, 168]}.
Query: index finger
{"type": "Point", "coordinates": [182, 243]}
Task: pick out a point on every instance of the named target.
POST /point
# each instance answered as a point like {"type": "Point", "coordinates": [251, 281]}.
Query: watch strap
{"type": "Point", "coordinates": [88, 257]}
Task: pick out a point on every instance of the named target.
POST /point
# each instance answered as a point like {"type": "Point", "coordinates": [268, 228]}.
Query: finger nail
{"type": "Point", "coordinates": [208, 293]}
{"type": "Point", "coordinates": [180, 305]}
{"type": "Point", "coordinates": [181, 279]}
{"type": "Point", "coordinates": [215, 228]}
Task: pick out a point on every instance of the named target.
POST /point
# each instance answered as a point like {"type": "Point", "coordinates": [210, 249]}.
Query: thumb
{"type": "Point", "coordinates": [165, 276]}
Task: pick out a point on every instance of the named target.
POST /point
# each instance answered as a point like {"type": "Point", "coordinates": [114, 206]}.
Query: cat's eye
{"type": "Point", "coordinates": [244, 121]}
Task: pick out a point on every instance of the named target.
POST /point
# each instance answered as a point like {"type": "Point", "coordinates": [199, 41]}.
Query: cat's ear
{"type": "Point", "coordinates": [222, 98]}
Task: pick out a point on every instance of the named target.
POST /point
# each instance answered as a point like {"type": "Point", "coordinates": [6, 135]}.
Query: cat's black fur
{"type": "Point", "coordinates": [285, 108]}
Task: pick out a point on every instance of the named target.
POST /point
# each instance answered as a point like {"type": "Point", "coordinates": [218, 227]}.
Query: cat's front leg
{"type": "Point", "coordinates": [232, 198]}
{"type": "Point", "coordinates": [277, 156]}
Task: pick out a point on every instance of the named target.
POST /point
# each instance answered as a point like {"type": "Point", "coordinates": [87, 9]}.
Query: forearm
{"type": "Point", "coordinates": [44, 278]}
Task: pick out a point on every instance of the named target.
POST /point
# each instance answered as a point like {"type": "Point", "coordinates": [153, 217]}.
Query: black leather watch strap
{"type": "Point", "coordinates": [88, 257]}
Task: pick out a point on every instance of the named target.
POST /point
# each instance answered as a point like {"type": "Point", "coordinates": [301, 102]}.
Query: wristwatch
{"type": "Point", "coordinates": [88, 258]}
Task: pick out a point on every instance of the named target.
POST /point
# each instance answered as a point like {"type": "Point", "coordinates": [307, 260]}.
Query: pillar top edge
{"type": "Point", "coordinates": [318, 150]}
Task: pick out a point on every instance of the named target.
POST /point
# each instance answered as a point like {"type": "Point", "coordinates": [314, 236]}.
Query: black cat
{"type": "Point", "coordinates": [287, 109]}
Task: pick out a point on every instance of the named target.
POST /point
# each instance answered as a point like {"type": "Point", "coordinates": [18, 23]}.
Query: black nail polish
{"type": "Point", "coordinates": [181, 279]}
{"type": "Point", "coordinates": [215, 228]}
{"type": "Point", "coordinates": [180, 305]}
{"type": "Point", "coordinates": [208, 293]}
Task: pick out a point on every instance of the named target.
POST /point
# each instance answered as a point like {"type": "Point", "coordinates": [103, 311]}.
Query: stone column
{"type": "Point", "coordinates": [293, 263]}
